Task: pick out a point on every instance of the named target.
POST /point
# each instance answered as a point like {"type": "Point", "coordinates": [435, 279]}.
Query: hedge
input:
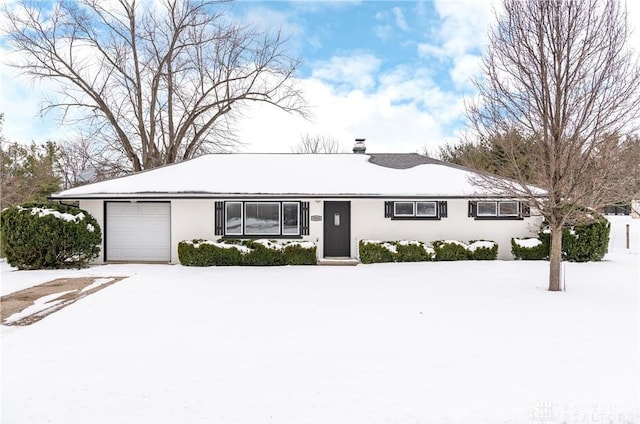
{"type": "Point", "coordinates": [532, 249]}
{"type": "Point", "coordinates": [483, 250]}
{"type": "Point", "coordinates": [580, 243]}
{"type": "Point", "coordinates": [48, 236]}
{"type": "Point", "coordinates": [450, 250]}
{"type": "Point", "coordinates": [201, 252]}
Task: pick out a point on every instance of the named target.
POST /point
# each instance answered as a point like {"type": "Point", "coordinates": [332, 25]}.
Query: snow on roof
{"type": "Point", "coordinates": [339, 175]}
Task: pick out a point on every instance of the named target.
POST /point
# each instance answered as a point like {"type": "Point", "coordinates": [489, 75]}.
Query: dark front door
{"type": "Point", "coordinates": [337, 229]}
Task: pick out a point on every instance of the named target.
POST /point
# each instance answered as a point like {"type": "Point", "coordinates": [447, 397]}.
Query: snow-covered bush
{"type": "Point", "coordinates": [263, 253]}
{"type": "Point", "coordinates": [208, 253]}
{"type": "Point", "coordinates": [532, 249]}
{"type": "Point", "coordinates": [413, 251]}
{"type": "Point", "coordinates": [585, 242]}
{"type": "Point", "coordinates": [48, 235]}
{"type": "Point", "coordinates": [246, 252]}
{"type": "Point", "coordinates": [303, 253]}
{"type": "Point", "coordinates": [450, 250]}
{"type": "Point", "coordinates": [374, 251]}
{"type": "Point", "coordinates": [483, 250]}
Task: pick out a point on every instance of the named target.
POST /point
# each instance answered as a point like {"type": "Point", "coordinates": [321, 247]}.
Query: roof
{"type": "Point", "coordinates": [289, 175]}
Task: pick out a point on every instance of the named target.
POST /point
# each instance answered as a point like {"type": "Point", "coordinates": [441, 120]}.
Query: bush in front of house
{"type": "Point", "coordinates": [49, 236]}
{"type": "Point", "coordinates": [483, 250]}
{"type": "Point", "coordinates": [450, 250]}
{"type": "Point", "coordinates": [234, 252]}
{"type": "Point", "coordinates": [373, 251]}
{"type": "Point", "coordinates": [300, 253]}
{"type": "Point", "coordinates": [529, 249]}
{"type": "Point", "coordinates": [201, 252]}
{"type": "Point", "coordinates": [413, 251]}
{"type": "Point", "coordinates": [263, 253]}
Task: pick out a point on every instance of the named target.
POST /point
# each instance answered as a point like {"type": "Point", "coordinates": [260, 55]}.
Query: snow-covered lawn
{"type": "Point", "coordinates": [462, 342]}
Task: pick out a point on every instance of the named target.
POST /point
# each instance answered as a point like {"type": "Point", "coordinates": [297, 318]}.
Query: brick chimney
{"type": "Point", "coordinates": [359, 147]}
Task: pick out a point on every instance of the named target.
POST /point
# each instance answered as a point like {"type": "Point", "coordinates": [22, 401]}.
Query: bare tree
{"type": "Point", "coordinates": [317, 144]}
{"type": "Point", "coordinates": [160, 81]}
{"type": "Point", "coordinates": [80, 161]}
{"type": "Point", "coordinates": [560, 74]}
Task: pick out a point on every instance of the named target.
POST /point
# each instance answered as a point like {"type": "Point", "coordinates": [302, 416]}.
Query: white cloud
{"type": "Point", "coordinates": [403, 110]}
{"type": "Point", "coordinates": [400, 20]}
{"type": "Point", "coordinates": [347, 72]}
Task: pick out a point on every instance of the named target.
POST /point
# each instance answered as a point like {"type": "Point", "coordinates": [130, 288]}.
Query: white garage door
{"type": "Point", "coordinates": [138, 231]}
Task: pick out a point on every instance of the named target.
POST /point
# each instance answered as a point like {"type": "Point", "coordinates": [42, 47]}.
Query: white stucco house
{"type": "Point", "coordinates": [333, 200]}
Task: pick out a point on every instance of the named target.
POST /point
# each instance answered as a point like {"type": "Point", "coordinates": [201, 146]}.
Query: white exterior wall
{"type": "Point", "coordinates": [191, 219]}
{"type": "Point", "coordinates": [368, 222]}
{"type": "Point", "coordinates": [195, 218]}
{"type": "Point", "coordinates": [635, 208]}
{"type": "Point", "coordinates": [96, 209]}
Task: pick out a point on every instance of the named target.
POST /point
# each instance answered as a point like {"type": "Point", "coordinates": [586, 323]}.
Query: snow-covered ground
{"type": "Point", "coordinates": [461, 342]}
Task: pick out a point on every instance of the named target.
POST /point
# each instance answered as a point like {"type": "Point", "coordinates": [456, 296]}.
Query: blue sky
{"type": "Point", "coordinates": [394, 72]}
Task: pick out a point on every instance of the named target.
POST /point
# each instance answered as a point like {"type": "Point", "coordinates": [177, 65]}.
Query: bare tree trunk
{"type": "Point", "coordinates": [555, 258]}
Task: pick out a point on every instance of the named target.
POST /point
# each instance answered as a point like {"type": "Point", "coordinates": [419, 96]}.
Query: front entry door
{"type": "Point", "coordinates": [337, 229]}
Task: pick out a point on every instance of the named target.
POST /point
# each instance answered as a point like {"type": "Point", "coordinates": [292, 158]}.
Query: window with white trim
{"type": "Point", "coordinates": [261, 218]}
{"type": "Point", "coordinates": [291, 218]}
{"type": "Point", "coordinates": [498, 209]}
{"type": "Point", "coordinates": [233, 221]}
{"type": "Point", "coordinates": [418, 209]}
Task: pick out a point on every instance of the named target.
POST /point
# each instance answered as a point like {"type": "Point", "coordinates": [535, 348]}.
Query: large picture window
{"type": "Point", "coordinates": [261, 218]}
{"type": "Point", "coordinates": [272, 219]}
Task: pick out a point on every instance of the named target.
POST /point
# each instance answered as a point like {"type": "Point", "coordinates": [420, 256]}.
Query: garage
{"type": "Point", "coordinates": [139, 231]}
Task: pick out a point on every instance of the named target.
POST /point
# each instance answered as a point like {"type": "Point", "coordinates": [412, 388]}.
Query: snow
{"type": "Point", "coordinates": [42, 212]}
{"type": "Point", "coordinates": [528, 242]}
{"type": "Point", "coordinates": [481, 244]}
{"type": "Point", "coordinates": [96, 283]}
{"type": "Point", "coordinates": [430, 342]}
{"type": "Point", "coordinates": [288, 174]}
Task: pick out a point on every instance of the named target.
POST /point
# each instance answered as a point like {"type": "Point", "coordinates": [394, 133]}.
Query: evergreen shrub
{"type": "Point", "coordinates": [450, 250]}
{"type": "Point", "coordinates": [409, 251]}
{"type": "Point", "coordinates": [49, 236]}
{"type": "Point", "coordinates": [372, 252]}
{"type": "Point", "coordinates": [300, 254]}
{"type": "Point", "coordinates": [483, 250]}
{"type": "Point", "coordinates": [585, 242]}
{"type": "Point", "coordinates": [201, 252]}
{"type": "Point", "coordinates": [234, 252]}
{"type": "Point", "coordinates": [530, 250]}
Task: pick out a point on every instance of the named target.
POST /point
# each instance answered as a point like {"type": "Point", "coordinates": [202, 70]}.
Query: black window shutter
{"type": "Point", "coordinates": [219, 219]}
{"type": "Point", "coordinates": [473, 209]}
{"type": "Point", "coordinates": [388, 209]}
{"type": "Point", "coordinates": [442, 209]}
{"type": "Point", "coordinates": [304, 218]}
{"type": "Point", "coordinates": [525, 209]}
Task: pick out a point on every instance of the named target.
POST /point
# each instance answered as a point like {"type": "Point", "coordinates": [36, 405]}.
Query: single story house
{"type": "Point", "coordinates": [333, 200]}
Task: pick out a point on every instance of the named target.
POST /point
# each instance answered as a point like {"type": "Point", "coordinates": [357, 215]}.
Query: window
{"type": "Point", "coordinates": [499, 209]}
{"type": "Point", "coordinates": [403, 209]}
{"type": "Point", "coordinates": [426, 209]}
{"type": "Point", "coordinates": [415, 210]}
{"type": "Point", "coordinates": [508, 209]}
{"type": "Point", "coordinates": [272, 219]}
{"type": "Point", "coordinates": [487, 208]}
{"type": "Point", "coordinates": [233, 222]}
{"type": "Point", "coordinates": [261, 218]}
{"type": "Point", "coordinates": [290, 218]}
